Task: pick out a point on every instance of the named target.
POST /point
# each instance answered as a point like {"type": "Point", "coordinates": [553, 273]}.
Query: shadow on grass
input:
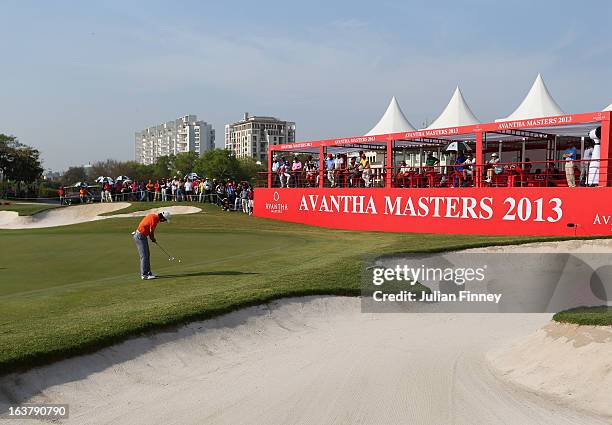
{"type": "Point", "coordinates": [212, 273]}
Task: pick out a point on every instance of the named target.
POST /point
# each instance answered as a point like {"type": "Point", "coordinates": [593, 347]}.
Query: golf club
{"type": "Point", "coordinates": [170, 257]}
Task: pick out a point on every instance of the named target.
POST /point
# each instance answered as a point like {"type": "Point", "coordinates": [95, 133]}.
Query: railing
{"type": "Point", "coordinates": [501, 174]}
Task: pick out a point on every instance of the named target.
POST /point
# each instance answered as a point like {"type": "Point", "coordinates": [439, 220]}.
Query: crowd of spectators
{"type": "Point", "coordinates": [339, 171]}
{"type": "Point", "coordinates": [227, 194]}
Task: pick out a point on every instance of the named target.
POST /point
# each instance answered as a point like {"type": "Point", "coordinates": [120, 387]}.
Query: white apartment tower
{"type": "Point", "coordinates": [185, 134]}
{"type": "Point", "coordinates": [251, 136]}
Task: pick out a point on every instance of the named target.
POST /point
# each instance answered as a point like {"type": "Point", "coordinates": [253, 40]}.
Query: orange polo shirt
{"type": "Point", "coordinates": [148, 224]}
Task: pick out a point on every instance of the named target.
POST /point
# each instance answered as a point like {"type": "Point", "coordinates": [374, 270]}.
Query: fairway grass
{"type": "Point", "coordinates": [73, 289]}
{"type": "Point", "coordinates": [27, 209]}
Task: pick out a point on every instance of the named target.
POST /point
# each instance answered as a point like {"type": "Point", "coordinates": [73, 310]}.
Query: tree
{"type": "Point", "coordinates": [74, 175]}
{"type": "Point", "coordinates": [219, 164]}
{"type": "Point", "coordinates": [183, 163]}
{"type": "Point", "coordinates": [250, 169]}
{"type": "Point", "coordinates": [19, 162]}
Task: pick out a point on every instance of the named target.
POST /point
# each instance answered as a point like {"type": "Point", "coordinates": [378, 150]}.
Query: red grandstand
{"type": "Point", "coordinates": [524, 193]}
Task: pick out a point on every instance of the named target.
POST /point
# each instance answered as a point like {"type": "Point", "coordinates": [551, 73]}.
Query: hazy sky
{"type": "Point", "coordinates": [77, 79]}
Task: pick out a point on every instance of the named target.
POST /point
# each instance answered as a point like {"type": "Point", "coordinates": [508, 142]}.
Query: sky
{"type": "Point", "coordinates": [78, 79]}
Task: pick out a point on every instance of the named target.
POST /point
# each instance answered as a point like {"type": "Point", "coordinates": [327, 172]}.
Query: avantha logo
{"type": "Point", "coordinates": [276, 207]}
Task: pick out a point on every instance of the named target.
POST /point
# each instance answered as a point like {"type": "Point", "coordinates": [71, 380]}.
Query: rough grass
{"type": "Point", "coordinates": [74, 289]}
{"type": "Point", "coordinates": [26, 209]}
{"type": "Point", "coordinates": [595, 316]}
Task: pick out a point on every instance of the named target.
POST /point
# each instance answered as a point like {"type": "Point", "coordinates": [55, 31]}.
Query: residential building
{"type": "Point", "coordinates": [185, 134]}
{"type": "Point", "coordinates": [251, 136]}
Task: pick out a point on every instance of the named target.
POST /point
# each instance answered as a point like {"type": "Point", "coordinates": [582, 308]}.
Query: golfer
{"type": "Point", "coordinates": [146, 229]}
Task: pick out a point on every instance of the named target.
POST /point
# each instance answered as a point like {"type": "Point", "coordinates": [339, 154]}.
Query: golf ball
{"type": "Point", "coordinates": [179, 261]}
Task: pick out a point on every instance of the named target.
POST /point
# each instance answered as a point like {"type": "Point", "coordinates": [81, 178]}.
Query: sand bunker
{"type": "Point", "coordinates": [301, 361]}
{"type": "Point", "coordinates": [175, 209]}
{"type": "Point", "coordinates": [79, 214]}
{"type": "Point", "coordinates": [572, 363]}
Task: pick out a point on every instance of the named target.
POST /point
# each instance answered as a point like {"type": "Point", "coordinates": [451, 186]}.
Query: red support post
{"type": "Point", "coordinates": [478, 169]}
{"type": "Point", "coordinates": [604, 150]}
{"type": "Point", "coordinates": [389, 165]}
{"type": "Point", "coordinates": [270, 156]}
{"type": "Point", "coordinates": [321, 167]}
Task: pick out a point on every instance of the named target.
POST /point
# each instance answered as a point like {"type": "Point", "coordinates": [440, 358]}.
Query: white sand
{"type": "Point", "coordinates": [570, 362]}
{"type": "Point", "coordinates": [80, 214]}
{"type": "Point", "coordinates": [301, 361]}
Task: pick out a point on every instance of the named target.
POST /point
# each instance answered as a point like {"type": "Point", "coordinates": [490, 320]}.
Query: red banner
{"type": "Point", "coordinates": [493, 211]}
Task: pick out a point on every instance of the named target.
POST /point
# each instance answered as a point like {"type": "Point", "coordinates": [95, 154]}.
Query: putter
{"type": "Point", "coordinates": [170, 257]}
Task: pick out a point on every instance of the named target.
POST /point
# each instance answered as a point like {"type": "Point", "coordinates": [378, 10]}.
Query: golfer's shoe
{"type": "Point", "coordinates": [148, 276]}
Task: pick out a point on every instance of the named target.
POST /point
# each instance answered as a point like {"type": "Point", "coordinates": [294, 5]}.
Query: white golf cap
{"type": "Point", "coordinates": [494, 154]}
{"type": "Point", "coordinates": [166, 215]}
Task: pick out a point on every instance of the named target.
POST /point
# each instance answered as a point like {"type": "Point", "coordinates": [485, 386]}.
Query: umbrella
{"type": "Point", "coordinates": [458, 146]}
{"type": "Point", "coordinates": [192, 176]}
{"type": "Point", "coordinates": [123, 179]}
{"type": "Point", "coordinates": [103, 179]}
{"type": "Point", "coordinates": [80, 184]}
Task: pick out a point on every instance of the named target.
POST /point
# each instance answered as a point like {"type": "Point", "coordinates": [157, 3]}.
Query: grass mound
{"type": "Point", "coordinates": [26, 209]}
{"type": "Point", "coordinates": [594, 316]}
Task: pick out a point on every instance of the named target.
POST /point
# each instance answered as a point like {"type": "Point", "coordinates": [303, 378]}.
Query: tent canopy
{"type": "Point", "coordinates": [456, 113]}
{"type": "Point", "coordinates": [537, 103]}
{"type": "Point", "coordinates": [393, 121]}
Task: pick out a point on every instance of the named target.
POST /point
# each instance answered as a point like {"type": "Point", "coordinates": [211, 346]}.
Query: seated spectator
{"type": "Point", "coordinates": [403, 174]}
{"type": "Point", "coordinates": [468, 169]}
{"type": "Point", "coordinates": [312, 176]}
{"type": "Point", "coordinates": [354, 172]}
{"type": "Point", "coordinates": [492, 166]}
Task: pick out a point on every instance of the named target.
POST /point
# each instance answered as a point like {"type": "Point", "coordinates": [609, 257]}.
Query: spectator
{"type": "Point", "coordinates": [569, 157]}
{"type": "Point", "coordinates": [468, 169]}
{"type": "Point", "coordinates": [275, 174]}
{"type": "Point", "coordinates": [244, 195]}
{"type": "Point", "coordinates": [492, 167]}
{"type": "Point", "coordinates": [431, 160]}
{"type": "Point", "coordinates": [584, 164]}
{"type": "Point", "coordinates": [61, 192]}
{"type": "Point", "coordinates": [82, 194]}
{"type": "Point", "coordinates": [149, 188]}
{"type": "Point", "coordinates": [312, 176]}
{"type": "Point", "coordinates": [284, 173]}
{"type": "Point", "coordinates": [403, 174]}
{"type": "Point", "coordinates": [188, 190]}
{"type": "Point", "coordinates": [296, 171]}
{"type": "Point", "coordinates": [157, 191]}
{"type": "Point", "coordinates": [354, 173]}
{"type": "Point", "coordinates": [330, 166]}
{"type": "Point", "coordinates": [251, 200]}
{"type": "Point", "coordinates": [164, 190]}
{"type": "Point", "coordinates": [339, 168]}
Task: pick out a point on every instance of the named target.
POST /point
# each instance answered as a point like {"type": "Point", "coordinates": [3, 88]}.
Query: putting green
{"type": "Point", "coordinates": [71, 289]}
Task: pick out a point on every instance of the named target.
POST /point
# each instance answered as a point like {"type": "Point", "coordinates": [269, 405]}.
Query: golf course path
{"type": "Point", "coordinates": [313, 360]}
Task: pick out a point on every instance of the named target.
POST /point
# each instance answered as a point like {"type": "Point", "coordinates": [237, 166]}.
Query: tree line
{"type": "Point", "coordinates": [214, 164]}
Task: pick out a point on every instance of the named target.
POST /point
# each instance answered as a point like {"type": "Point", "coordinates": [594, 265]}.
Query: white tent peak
{"type": "Point", "coordinates": [608, 108]}
{"type": "Point", "coordinates": [456, 113]}
{"type": "Point", "coordinates": [392, 121]}
{"type": "Point", "coordinates": [537, 103]}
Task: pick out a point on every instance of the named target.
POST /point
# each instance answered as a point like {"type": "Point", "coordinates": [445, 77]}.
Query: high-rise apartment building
{"type": "Point", "coordinates": [185, 134]}
{"type": "Point", "coordinates": [251, 136]}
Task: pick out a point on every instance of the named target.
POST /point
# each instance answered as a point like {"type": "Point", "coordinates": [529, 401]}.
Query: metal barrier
{"type": "Point", "coordinates": [492, 174]}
